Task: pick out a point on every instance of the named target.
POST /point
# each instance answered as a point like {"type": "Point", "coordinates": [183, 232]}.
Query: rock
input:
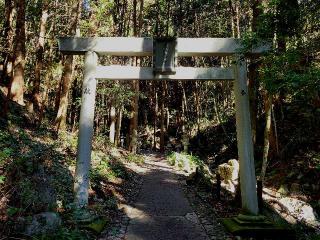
{"type": "Point", "coordinates": [43, 223]}
{"type": "Point", "coordinates": [192, 217]}
{"type": "Point", "coordinates": [301, 210]}
{"type": "Point", "coordinates": [307, 213]}
{"type": "Point", "coordinates": [235, 172]}
{"type": "Point", "coordinates": [229, 171]}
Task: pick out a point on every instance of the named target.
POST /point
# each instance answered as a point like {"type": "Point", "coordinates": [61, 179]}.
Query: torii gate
{"type": "Point", "coordinates": [120, 46]}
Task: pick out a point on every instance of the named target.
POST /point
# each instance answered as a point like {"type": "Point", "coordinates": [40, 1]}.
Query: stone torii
{"type": "Point", "coordinates": [121, 46]}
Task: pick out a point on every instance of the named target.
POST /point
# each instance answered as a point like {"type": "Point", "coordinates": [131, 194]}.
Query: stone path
{"type": "Point", "coordinates": [161, 211]}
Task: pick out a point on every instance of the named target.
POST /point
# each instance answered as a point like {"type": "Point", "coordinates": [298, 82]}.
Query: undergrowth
{"type": "Point", "coordinates": [36, 175]}
{"type": "Point", "coordinates": [182, 160]}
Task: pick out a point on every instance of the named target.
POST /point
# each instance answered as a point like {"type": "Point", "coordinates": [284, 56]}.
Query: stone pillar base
{"type": "Point", "coordinates": [83, 216]}
{"type": "Point", "coordinates": [256, 226]}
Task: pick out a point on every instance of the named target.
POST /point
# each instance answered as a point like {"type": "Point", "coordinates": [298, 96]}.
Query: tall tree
{"type": "Point", "coordinates": [7, 64]}
{"type": "Point", "coordinates": [8, 34]}
{"type": "Point", "coordinates": [256, 9]}
{"type": "Point", "coordinates": [36, 95]}
{"type": "Point", "coordinates": [136, 86]}
{"type": "Point", "coordinates": [286, 18]}
{"type": "Point", "coordinates": [66, 78]}
{"type": "Point", "coordinates": [16, 89]}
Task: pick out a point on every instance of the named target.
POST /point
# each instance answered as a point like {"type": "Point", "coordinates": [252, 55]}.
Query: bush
{"type": "Point", "coordinates": [136, 158]}
{"type": "Point", "coordinates": [184, 160]}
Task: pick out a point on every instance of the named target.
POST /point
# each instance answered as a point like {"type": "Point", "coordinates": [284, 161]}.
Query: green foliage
{"type": "Point", "coordinates": [136, 158]}
{"type": "Point", "coordinates": [67, 141]}
{"type": "Point", "coordinates": [121, 94]}
{"type": "Point", "coordinates": [28, 194]}
{"type": "Point", "coordinates": [179, 159]}
{"type": "Point", "coordinates": [105, 168]}
{"type": "Point", "coordinates": [98, 225]}
{"type": "Point", "coordinates": [284, 72]}
{"type": "Point", "coordinates": [171, 158]}
{"type": "Point", "coordinates": [11, 211]}
{"type": "Point", "coordinates": [101, 11]}
{"type": "Point", "coordinates": [5, 154]}
{"type": "Point", "coordinates": [2, 179]}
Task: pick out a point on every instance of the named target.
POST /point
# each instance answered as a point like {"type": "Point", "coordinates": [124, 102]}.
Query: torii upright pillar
{"type": "Point", "coordinates": [244, 138]}
{"type": "Point", "coordinates": [81, 183]}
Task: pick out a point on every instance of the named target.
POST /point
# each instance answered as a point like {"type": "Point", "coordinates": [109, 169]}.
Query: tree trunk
{"type": "Point", "coordinates": [232, 19]}
{"type": "Point", "coordinates": [66, 78]}
{"type": "Point", "coordinates": [184, 108]}
{"type": "Point", "coordinates": [155, 116]}
{"type": "Point", "coordinates": [134, 118]}
{"type": "Point", "coordinates": [8, 35]}
{"type": "Point", "coordinates": [197, 101]}
{"type": "Point", "coordinates": [167, 107]}
{"type": "Point", "coordinates": [135, 103]}
{"type": "Point", "coordinates": [16, 89]}
{"type": "Point", "coordinates": [112, 123]}
{"type": "Point", "coordinates": [162, 130]}
{"type": "Point", "coordinates": [268, 110]}
{"type": "Point", "coordinates": [238, 16]}
{"type": "Point", "coordinates": [61, 118]}
{"type": "Point", "coordinates": [118, 127]}
{"type": "Point", "coordinates": [48, 83]}
{"type": "Point", "coordinates": [253, 72]}
{"type": "Point", "coordinates": [36, 96]}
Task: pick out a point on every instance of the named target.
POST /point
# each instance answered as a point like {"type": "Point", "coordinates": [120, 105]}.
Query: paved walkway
{"type": "Point", "coordinates": [161, 211]}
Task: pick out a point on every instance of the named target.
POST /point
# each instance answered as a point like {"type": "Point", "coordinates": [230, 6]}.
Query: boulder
{"type": "Point", "coordinates": [229, 171]}
{"type": "Point", "coordinates": [300, 209]}
{"type": "Point", "coordinates": [43, 223]}
{"type": "Point", "coordinates": [235, 172]}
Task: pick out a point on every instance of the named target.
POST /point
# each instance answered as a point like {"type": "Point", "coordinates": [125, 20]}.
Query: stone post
{"type": "Point", "coordinates": [81, 183]}
{"type": "Point", "coordinates": [245, 144]}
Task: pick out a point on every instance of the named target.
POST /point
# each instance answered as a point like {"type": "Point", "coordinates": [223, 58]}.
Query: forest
{"type": "Point", "coordinates": [176, 135]}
